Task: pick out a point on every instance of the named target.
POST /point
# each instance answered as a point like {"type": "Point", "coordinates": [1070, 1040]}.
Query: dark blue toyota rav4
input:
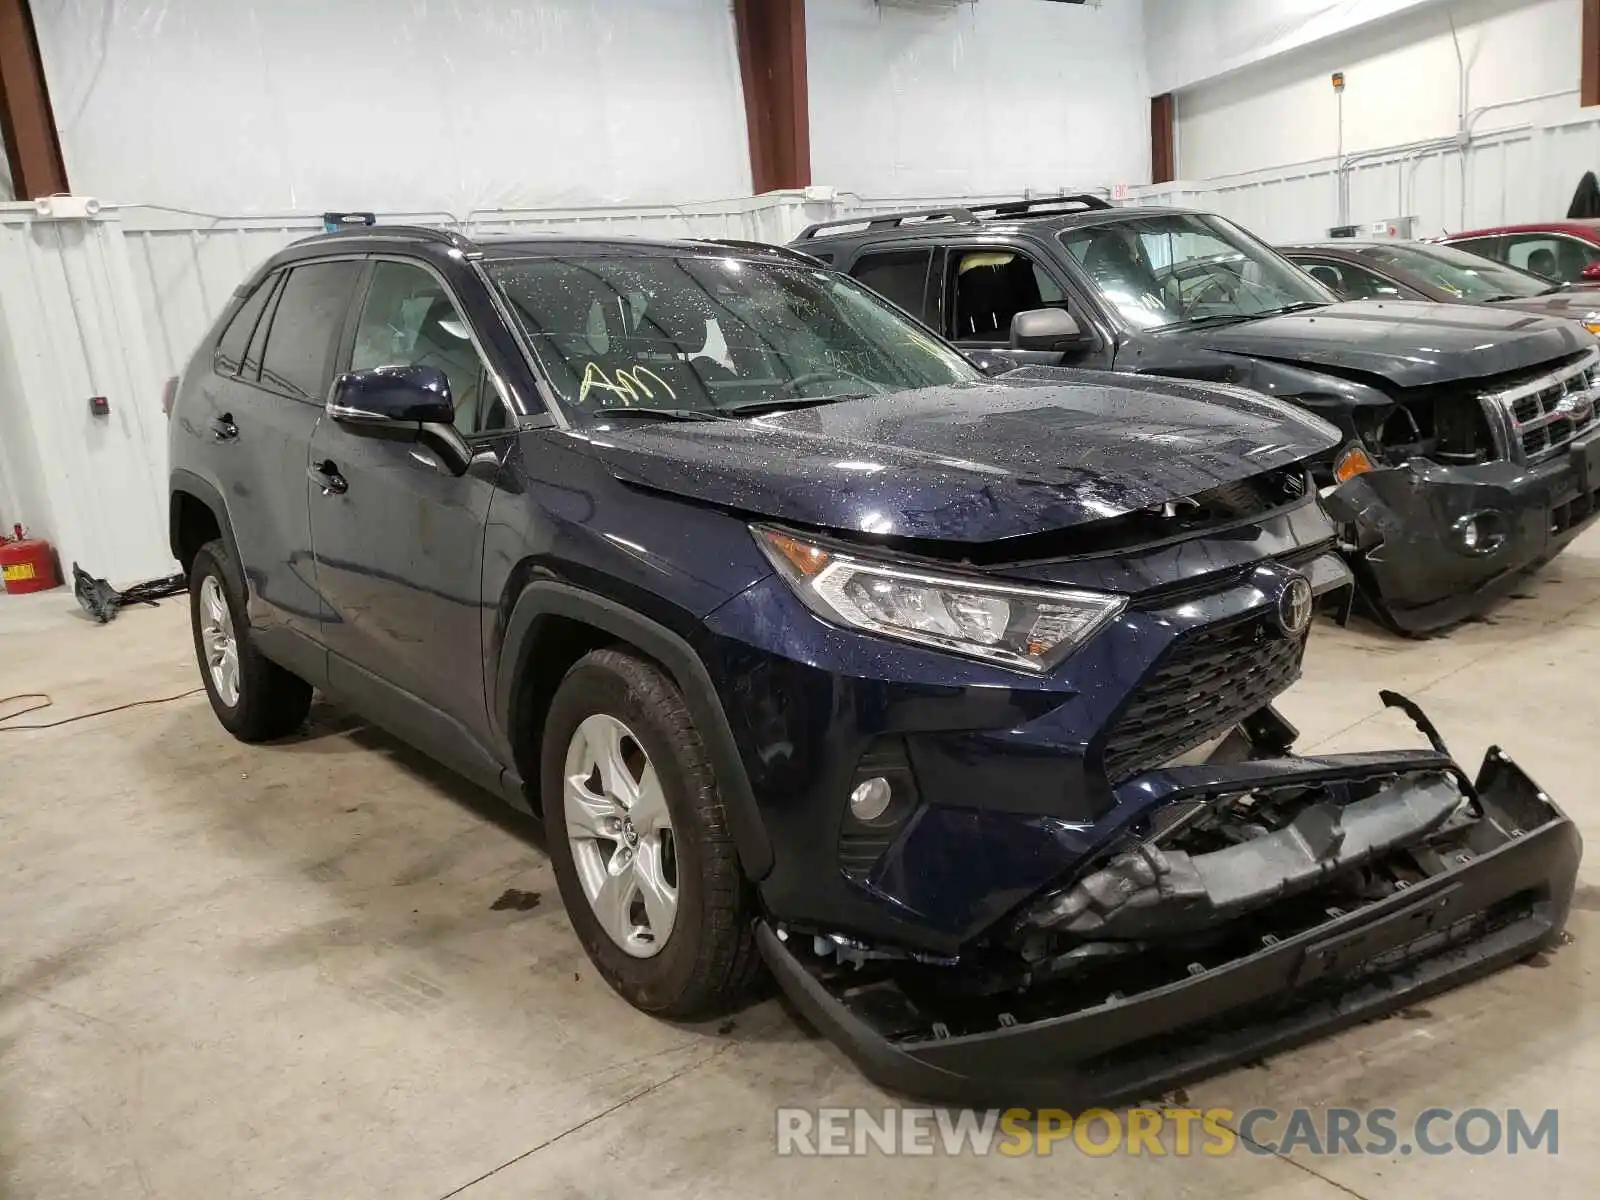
{"type": "Point", "coordinates": [945, 697]}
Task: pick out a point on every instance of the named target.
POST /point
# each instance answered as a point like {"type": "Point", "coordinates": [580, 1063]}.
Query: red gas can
{"type": "Point", "coordinates": [28, 564]}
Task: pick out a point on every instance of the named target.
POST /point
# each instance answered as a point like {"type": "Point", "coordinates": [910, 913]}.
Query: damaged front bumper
{"type": "Point", "coordinates": [1433, 544]}
{"type": "Point", "coordinates": [1226, 966]}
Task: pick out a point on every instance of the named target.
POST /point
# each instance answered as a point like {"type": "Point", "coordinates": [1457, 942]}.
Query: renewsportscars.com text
{"type": "Point", "coordinates": [1159, 1132]}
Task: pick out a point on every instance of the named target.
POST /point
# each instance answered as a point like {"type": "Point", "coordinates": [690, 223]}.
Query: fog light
{"type": "Point", "coordinates": [870, 800]}
{"type": "Point", "coordinates": [1479, 533]}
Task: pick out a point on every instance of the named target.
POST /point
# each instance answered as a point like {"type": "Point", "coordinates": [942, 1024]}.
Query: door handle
{"type": "Point", "coordinates": [326, 476]}
{"type": "Point", "coordinates": [223, 428]}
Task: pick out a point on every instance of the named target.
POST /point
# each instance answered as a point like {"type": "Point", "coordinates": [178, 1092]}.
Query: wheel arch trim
{"type": "Point", "coordinates": [541, 598]}
{"type": "Point", "coordinates": [188, 482]}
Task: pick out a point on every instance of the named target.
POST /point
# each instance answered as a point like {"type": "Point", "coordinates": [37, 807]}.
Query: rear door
{"type": "Point", "coordinates": [274, 380]}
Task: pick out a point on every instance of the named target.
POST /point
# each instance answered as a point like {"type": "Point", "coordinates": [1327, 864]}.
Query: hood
{"type": "Point", "coordinates": [1574, 305]}
{"type": "Point", "coordinates": [972, 462]}
{"type": "Point", "coordinates": [1409, 344]}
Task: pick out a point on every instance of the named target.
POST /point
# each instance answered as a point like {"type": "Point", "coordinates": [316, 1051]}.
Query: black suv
{"type": "Point", "coordinates": [1469, 452]}
{"type": "Point", "coordinates": [947, 697]}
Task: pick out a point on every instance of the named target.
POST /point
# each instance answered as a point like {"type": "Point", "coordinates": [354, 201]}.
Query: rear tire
{"type": "Point", "coordinates": [255, 699]}
{"type": "Point", "coordinates": [676, 869]}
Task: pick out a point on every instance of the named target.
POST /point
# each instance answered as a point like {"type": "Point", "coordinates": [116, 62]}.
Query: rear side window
{"type": "Point", "coordinates": [897, 275]}
{"type": "Point", "coordinates": [298, 357]}
{"type": "Point", "coordinates": [231, 345]}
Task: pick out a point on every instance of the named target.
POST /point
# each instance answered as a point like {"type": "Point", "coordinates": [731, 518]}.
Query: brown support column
{"type": "Point", "coordinates": [33, 151]}
{"type": "Point", "coordinates": [1163, 156]}
{"type": "Point", "coordinates": [1589, 48]}
{"type": "Point", "coordinates": [772, 64]}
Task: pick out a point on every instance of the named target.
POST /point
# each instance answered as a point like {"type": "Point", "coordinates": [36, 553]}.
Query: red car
{"type": "Point", "coordinates": [1560, 251]}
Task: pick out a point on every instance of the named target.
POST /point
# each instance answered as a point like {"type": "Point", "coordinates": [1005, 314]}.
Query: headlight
{"type": "Point", "coordinates": [1031, 628]}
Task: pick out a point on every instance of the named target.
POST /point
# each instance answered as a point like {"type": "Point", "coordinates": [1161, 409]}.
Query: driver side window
{"type": "Point", "coordinates": [989, 286]}
{"type": "Point", "coordinates": [407, 319]}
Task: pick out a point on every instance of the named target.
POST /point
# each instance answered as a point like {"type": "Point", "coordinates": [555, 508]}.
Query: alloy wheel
{"type": "Point", "coordinates": [620, 833]}
{"type": "Point", "coordinates": [222, 647]}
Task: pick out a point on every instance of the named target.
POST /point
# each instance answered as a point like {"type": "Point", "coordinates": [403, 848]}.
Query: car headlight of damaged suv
{"type": "Point", "coordinates": [1025, 627]}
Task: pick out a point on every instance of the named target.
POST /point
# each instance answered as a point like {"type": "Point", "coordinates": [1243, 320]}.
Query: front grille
{"type": "Point", "coordinates": [1209, 681]}
{"type": "Point", "coordinates": [1550, 410]}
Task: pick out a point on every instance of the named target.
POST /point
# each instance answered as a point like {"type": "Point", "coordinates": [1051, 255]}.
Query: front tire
{"type": "Point", "coordinates": [254, 698]}
{"type": "Point", "coordinates": [639, 839]}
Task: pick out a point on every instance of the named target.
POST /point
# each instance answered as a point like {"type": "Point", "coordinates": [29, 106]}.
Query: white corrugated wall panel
{"type": "Point", "coordinates": [74, 329]}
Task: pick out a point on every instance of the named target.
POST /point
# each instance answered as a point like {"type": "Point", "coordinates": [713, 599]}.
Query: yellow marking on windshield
{"type": "Point", "coordinates": [628, 384]}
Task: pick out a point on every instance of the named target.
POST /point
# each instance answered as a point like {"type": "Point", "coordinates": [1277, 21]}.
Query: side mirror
{"type": "Point", "coordinates": [1047, 329]}
{"type": "Point", "coordinates": [391, 399]}
{"type": "Point", "coordinates": [1592, 271]}
{"type": "Point", "coordinates": [991, 362]}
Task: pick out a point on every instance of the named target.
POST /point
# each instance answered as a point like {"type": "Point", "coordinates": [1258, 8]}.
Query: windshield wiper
{"type": "Point", "coordinates": [660, 414]}
{"type": "Point", "coordinates": [1210, 319]}
{"type": "Point", "coordinates": [1297, 306]}
{"type": "Point", "coordinates": [754, 408]}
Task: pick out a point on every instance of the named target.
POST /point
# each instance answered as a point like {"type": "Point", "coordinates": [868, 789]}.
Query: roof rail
{"type": "Point", "coordinates": [1023, 208]}
{"type": "Point", "coordinates": [417, 233]}
{"type": "Point", "coordinates": [765, 248]}
{"type": "Point", "coordinates": [874, 221]}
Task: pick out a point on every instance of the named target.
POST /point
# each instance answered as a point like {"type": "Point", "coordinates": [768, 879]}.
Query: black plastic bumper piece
{"type": "Point", "coordinates": [1413, 567]}
{"type": "Point", "coordinates": [1479, 915]}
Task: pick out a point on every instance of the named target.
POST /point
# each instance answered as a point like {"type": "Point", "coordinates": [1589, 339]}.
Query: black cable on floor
{"type": "Point", "coordinates": [45, 701]}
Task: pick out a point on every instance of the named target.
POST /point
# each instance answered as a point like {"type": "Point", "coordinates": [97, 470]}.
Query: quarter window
{"type": "Point", "coordinates": [231, 345]}
{"type": "Point", "coordinates": [251, 367]}
{"type": "Point", "coordinates": [409, 320]}
{"type": "Point", "coordinates": [305, 326]}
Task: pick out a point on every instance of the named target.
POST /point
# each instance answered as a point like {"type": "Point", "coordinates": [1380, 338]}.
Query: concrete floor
{"type": "Point", "coordinates": [275, 971]}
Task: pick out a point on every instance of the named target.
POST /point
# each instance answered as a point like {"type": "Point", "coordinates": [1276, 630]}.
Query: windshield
{"type": "Point", "coordinates": [1187, 268]}
{"type": "Point", "coordinates": [1465, 276]}
{"type": "Point", "coordinates": [701, 335]}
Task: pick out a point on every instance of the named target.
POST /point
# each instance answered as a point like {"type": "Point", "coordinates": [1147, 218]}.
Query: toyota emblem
{"type": "Point", "coordinates": [1294, 606]}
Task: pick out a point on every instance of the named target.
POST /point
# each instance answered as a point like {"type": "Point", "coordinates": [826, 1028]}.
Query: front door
{"type": "Point", "coordinates": [398, 536]}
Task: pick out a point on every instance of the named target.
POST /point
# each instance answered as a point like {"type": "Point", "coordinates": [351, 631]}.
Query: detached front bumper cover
{"type": "Point", "coordinates": [1504, 896]}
